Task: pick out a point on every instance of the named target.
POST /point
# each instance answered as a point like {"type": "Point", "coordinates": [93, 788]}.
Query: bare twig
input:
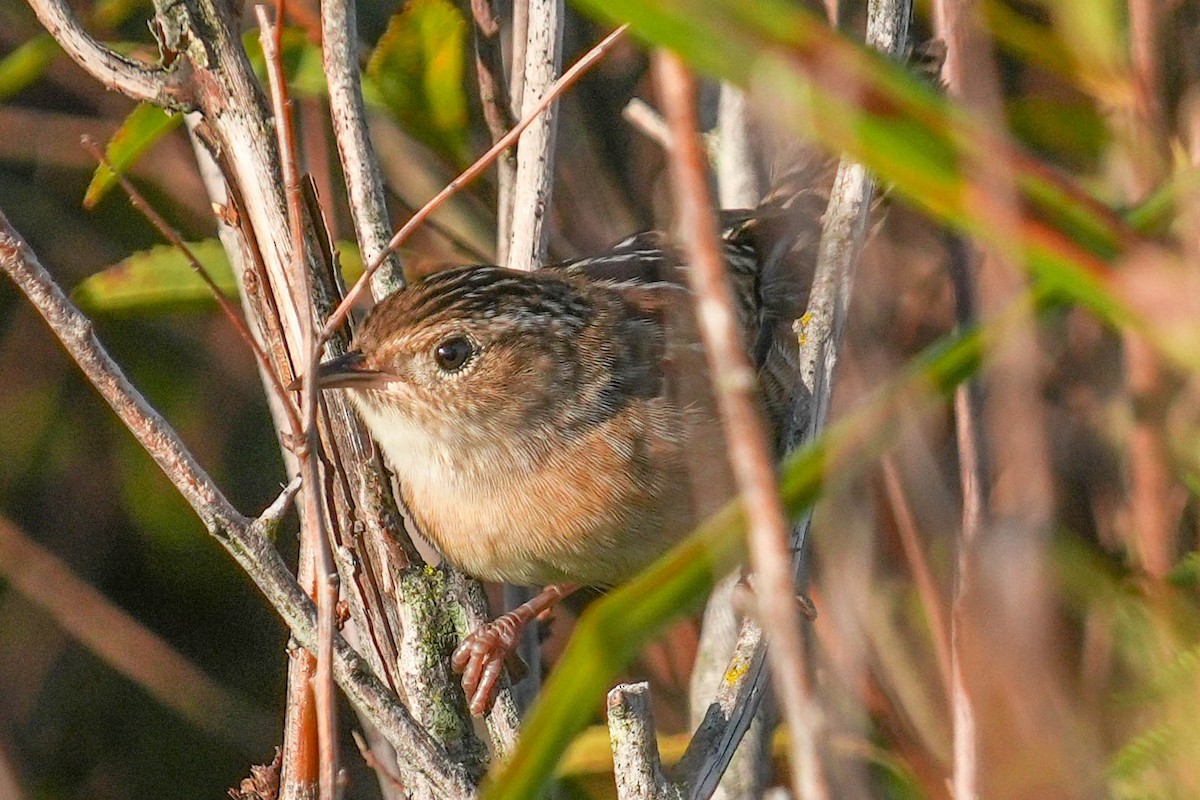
{"type": "Point", "coordinates": [734, 382]}
{"type": "Point", "coordinates": [737, 172]}
{"type": "Point", "coordinates": [535, 150]}
{"type": "Point", "coordinates": [369, 756]}
{"type": "Point", "coordinates": [245, 539]}
{"type": "Point", "coordinates": [747, 772]}
{"type": "Point", "coordinates": [952, 23]}
{"type": "Point", "coordinates": [1002, 615]}
{"type": "Point", "coordinates": [364, 183]}
{"type": "Point", "coordinates": [910, 542]}
{"type": "Point", "coordinates": [636, 763]}
{"type": "Point", "coordinates": [235, 319]}
{"type": "Point", "coordinates": [128, 646]}
{"type": "Point", "coordinates": [586, 62]}
{"type": "Point", "coordinates": [313, 520]}
{"type": "Point", "coordinates": [727, 718]}
{"type": "Point", "coordinates": [497, 112]}
{"type": "Point", "coordinates": [641, 115]}
{"type": "Point", "coordinates": [166, 87]}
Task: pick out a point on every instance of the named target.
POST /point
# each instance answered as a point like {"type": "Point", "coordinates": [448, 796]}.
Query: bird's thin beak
{"type": "Point", "coordinates": [349, 371]}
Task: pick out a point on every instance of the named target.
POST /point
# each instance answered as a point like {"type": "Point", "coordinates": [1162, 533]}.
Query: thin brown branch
{"type": "Point", "coordinates": [364, 183]}
{"type": "Point", "coordinates": [914, 553]}
{"type": "Point", "coordinates": [245, 539]}
{"type": "Point", "coordinates": [227, 308]}
{"type": "Point", "coordinates": [953, 22]}
{"type": "Point", "coordinates": [734, 381]}
{"type": "Point", "coordinates": [841, 240]}
{"type": "Point", "coordinates": [314, 526]}
{"type": "Point", "coordinates": [166, 87]}
{"type": "Point", "coordinates": [497, 111]}
{"type": "Point", "coordinates": [568, 79]}
{"type": "Point", "coordinates": [369, 757]}
{"type": "Point", "coordinates": [747, 771]}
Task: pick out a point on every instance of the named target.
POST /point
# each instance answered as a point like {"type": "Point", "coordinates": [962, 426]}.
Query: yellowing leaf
{"type": "Point", "coordinates": [144, 126]}
{"type": "Point", "coordinates": [417, 68]}
{"type": "Point", "coordinates": [158, 279]}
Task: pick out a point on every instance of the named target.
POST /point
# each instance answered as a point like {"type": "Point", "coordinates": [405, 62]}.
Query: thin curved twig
{"type": "Point", "coordinates": [168, 87]}
{"type": "Point", "coordinates": [717, 738]}
{"type": "Point", "coordinates": [734, 383]}
{"type": "Point", "coordinates": [586, 62]}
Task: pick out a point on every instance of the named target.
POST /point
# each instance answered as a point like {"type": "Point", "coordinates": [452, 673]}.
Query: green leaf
{"type": "Point", "coordinates": [144, 126]}
{"type": "Point", "coordinates": [161, 279]}
{"type": "Point", "coordinates": [158, 279]}
{"type": "Point", "coordinates": [417, 69]}
{"type": "Point", "coordinates": [301, 59]}
{"type": "Point", "coordinates": [26, 64]}
{"type": "Point", "coordinates": [933, 153]}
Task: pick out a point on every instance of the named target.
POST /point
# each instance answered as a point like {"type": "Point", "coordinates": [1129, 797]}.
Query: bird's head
{"type": "Point", "coordinates": [467, 354]}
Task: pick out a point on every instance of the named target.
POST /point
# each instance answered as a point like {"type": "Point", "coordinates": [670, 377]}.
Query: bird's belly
{"type": "Point", "coordinates": [590, 518]}
{"type": "Point", "coordinates": [542, 533]}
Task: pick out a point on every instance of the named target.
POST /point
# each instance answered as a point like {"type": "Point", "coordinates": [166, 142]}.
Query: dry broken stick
{"type": "Point", "coordinates": [636, 764]}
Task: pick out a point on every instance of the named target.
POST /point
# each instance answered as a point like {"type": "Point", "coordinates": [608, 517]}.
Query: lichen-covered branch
{"type": "Point", "coordinates": [637, 766]}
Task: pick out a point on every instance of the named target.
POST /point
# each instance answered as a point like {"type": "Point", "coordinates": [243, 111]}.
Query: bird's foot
{"type": "Point", "coordinates": [483, 654]}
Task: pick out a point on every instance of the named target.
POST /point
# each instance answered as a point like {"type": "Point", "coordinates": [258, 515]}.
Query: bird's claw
{"type": "Point", "coordinates": [481, 659]}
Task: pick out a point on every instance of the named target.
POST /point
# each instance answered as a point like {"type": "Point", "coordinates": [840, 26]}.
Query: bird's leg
{"type": "Point", "coordinates": [481, 656]}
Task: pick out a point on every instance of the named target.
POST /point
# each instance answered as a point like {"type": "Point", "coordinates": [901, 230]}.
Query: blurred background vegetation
{"type": "Point", "coordinates": [75, 483]}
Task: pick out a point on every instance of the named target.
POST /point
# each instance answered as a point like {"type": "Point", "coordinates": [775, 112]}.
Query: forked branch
{"type": "Point", "coordinates": [244, 538]}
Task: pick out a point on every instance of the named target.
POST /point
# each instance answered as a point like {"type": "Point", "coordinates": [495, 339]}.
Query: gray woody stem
{"type": "Point", "coordinates": [364, 184]}
{"type": "Point", "coordinates": [245, 539]}
{"type": "Point", "coordinates": [164, 86]}
{"type": "Point", "coordinates": [535, 149]}
{"type": "Point", "coordinates": [523, 209]}
{"type": "Point", "coordinates": [636, 763]}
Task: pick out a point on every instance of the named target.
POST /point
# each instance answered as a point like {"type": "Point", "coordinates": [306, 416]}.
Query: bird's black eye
{"type": "Point", "coordinates": [452, 353]}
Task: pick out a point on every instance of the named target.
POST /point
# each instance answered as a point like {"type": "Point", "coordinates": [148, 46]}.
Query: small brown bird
{"type": "Point", "coordinates": [555, 427]}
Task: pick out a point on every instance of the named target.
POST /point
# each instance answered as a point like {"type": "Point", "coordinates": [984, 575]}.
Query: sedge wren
{"type": "Point", "coordinates": [546, 427]}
